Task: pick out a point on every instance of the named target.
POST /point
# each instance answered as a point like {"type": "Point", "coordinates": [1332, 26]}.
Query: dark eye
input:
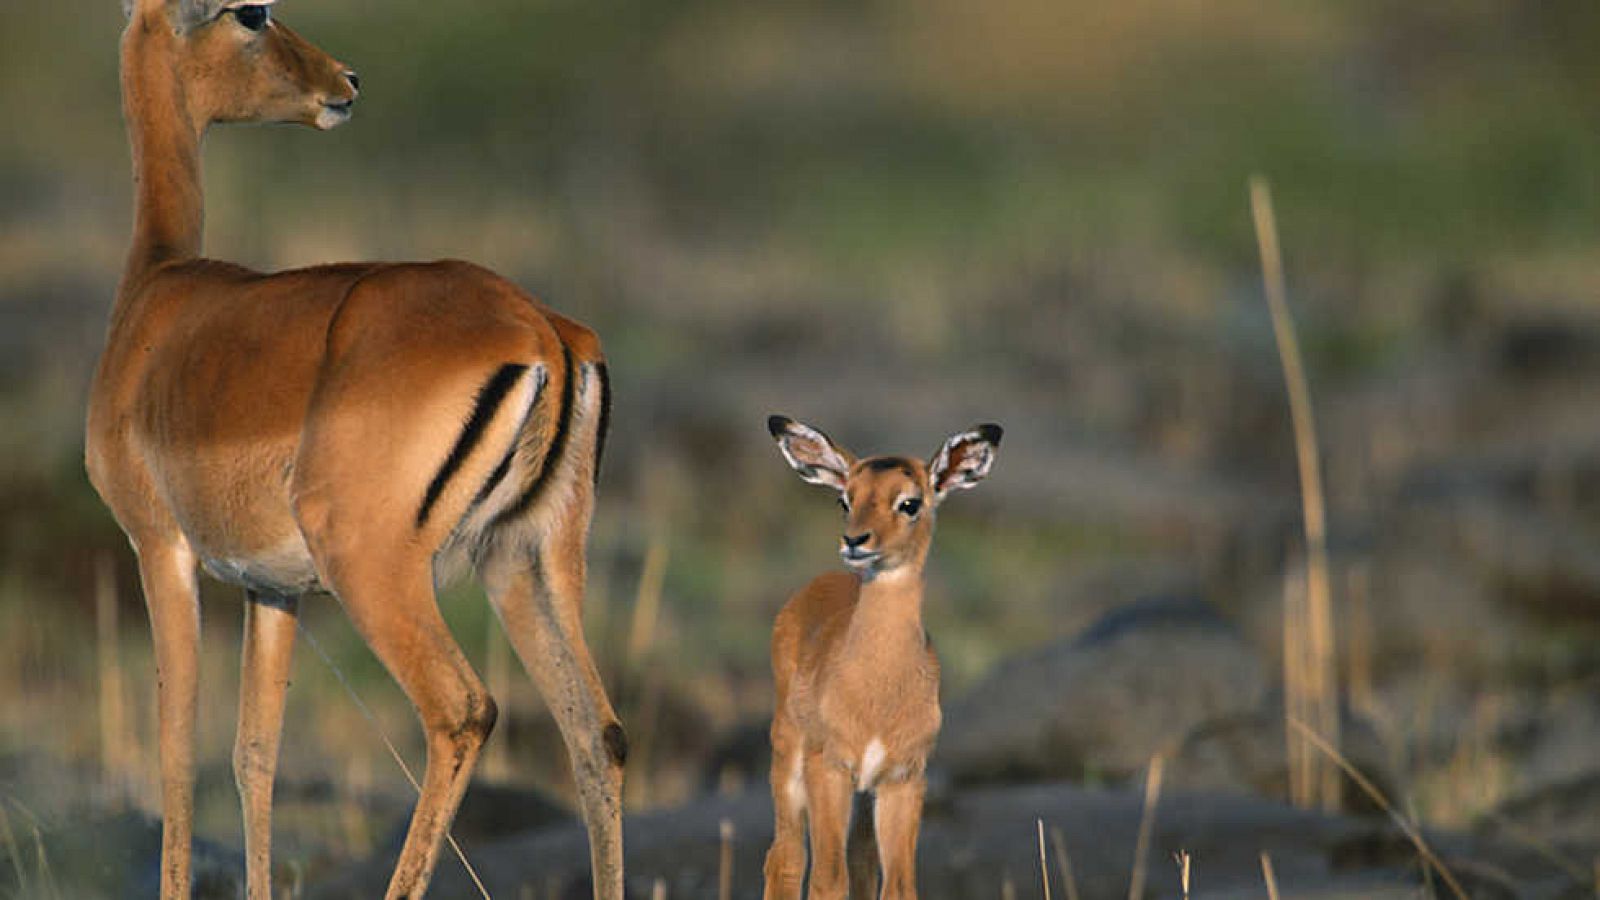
{"type": "Point", "coordinates": [843, 503]}
{"type": "Point", "coordinates": [253, 16]}
{"type": "Point", "coordinates": [911, 505]}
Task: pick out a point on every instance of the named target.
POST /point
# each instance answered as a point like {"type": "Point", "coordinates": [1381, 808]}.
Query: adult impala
{"type": "Point", "coordinates": [857, 679]}
{"type": "Point", "coordinates": [354, 428]}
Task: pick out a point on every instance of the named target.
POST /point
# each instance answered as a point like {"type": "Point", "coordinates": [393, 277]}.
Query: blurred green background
{"type": "Point", "coordinates": [891, 219]}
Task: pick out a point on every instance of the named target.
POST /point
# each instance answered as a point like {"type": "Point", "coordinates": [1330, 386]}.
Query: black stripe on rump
{"type": "Point", "coordinates": [504, 466]}
{"type": "Point", "coordinates": [605, 419]}
{"type": "Point", "coordinates": [492, 394]}
{"type": "Point", "coordinates": [558, 444]}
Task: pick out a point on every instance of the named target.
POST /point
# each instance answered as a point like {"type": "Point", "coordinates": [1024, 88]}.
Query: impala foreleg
{"type": "Point", "coordinates": [785, 867]}
{"type": "Point", "coordinates": [828, 796]}
{"type": "Point", "coordinates": [899, 817]}
{"type": "Point", "coordinates": [538, 600]}
{"type": "Point", "coordinates": [167, 574]}
{"type": "Point", "coordinates": [269, 633]}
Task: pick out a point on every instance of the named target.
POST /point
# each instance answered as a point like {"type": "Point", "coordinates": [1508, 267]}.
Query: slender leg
{"type": "Point", "coordinates": [269, 632]}
{"type": "Point", "coordinates": [899, 815]}
{"type": "Point", "coordinates": [863, 848]}
{"type": "Point", "coordinates": [828, 793]}
{"type": "Point", "coordinates": [167, 573]}
{"type": "Point", "coordinates": [785, 867]}
{"type": "Point", "coordinates": [539, 602]}
{"type": "Point", "coordinates": [390, 599]}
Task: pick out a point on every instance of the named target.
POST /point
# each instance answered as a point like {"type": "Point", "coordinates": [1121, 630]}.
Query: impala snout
{"type": "Point", "coordinates": [853, 549]}
{"type": "Point", "coordinates": [335, 109]}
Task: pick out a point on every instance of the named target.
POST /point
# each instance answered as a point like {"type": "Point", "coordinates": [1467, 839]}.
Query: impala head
{"type": "Point", "coordinates": [236, 63]}
{"type": "Point", "coordinates": [888, 501]}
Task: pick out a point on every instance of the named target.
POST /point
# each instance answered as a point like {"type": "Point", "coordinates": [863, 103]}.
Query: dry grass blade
{"type": "Point", "coordinates": [1008, 891]}
{"type": "Point", "coordinates": [1184, 860]}
{"type": "Point", "coordinates": [372, 721]}
{"type": "Point", "coordinates": [1543, 849]}
{"type": "Point", "coordinates": [47, 878]}
{"type": "Point", "coordinates": [1152, 795]}
{"type": "Point", "coordinates": [725, 862]}
{"type": "Point", "coordinates": [1064, 862]}
{"type": "Point", "coordinates": [24, 888]}
{"type": "Point", "coordinates": [114, 737]}
{"type": "Point", "coordinates": [496, 765]}
{"type": "Point", "coordinates": [1269, 877]}
{"type": "Point", "coordinates": [1322, 673]}
{"type": "Point", "coordinates": [647, 603]}
{"type": "Point", "coordinates": [1044, 862]}
{"type": "Point", "coordinates": [1371, 790]}
{"type": "Point", "coordinates": [658, 889]}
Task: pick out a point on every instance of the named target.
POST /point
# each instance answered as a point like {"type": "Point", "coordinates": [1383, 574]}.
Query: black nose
{"type": "Point", "coordinates": [354, 79]}
{"type": "Point", "coordinates": [852, 542]}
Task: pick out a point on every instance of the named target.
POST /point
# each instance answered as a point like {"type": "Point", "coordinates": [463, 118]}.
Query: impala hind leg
{"type": "Point", "coordinates": [167, 574]}
{"type": "Point", "coordinates": [785, 867]}
{"type": "Point", "coordinates": [899, 817]}
{"type": "Point", "coordinates": [269, 633]}
{"type": "Point", "coordinates": [539, 602]}
{"type": "Point", "coordinates": [391, 602]}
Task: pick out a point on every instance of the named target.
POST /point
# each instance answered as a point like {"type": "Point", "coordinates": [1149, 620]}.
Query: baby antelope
{"type": "Point", "coordinates": [857, 679]}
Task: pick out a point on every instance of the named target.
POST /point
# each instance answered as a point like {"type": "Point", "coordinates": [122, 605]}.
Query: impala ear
{"type": "Point", "coordinates": [811, 453]}
{"type": "Point", "coordinates": [964, 459]}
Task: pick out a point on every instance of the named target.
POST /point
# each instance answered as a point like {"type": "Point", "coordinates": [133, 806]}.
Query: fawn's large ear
{"type": "Point", "coordinates": [964, 459]}
{"type": "Point", "coordinates": [811, 453]}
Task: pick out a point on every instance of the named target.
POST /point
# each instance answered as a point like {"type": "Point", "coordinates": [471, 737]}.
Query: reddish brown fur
{"type": "Point", "coordinates": [282, 430]}
{"type": "Point", "coordinates": [857, 680]}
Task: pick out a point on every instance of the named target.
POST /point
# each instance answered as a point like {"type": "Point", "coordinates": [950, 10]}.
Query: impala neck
{"type": "Point", "coordinates": [888, 612]}
{"type": "Point", "coordinates": [169, 214]}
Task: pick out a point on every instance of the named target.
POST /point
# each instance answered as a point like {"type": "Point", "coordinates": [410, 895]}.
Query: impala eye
{"type": "Point", "coordinates": [253, 16]}
{"type": "Point", "coordinates": [910, 506]}
{"type": "Point", "coordinates": [843, 503]}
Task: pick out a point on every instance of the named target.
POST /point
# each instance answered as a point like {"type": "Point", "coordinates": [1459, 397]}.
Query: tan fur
{"type": "Point", "coordinates": [283, 431]}
{"type": "Point", "coordinates": [857, 706]}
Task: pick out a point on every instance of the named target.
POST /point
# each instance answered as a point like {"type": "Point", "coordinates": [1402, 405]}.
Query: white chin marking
{"type": "Point", "coordinates": [332, 118]}
{"type": "Point", "coordinates": [871, 762]}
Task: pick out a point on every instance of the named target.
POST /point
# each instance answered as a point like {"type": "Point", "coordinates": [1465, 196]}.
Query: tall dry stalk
{"type": "Point", "coordinates": [1320, 784]}
{"type": "Point", "coordinates": [497, 671]}
{"type": "Point", "coordinates": [1141, 850]}
{"type": "Point", "coordinates": [1407, 827]}
{"type": "Point", "coordinates": [1044, 862]}
{"type": "Point", "coordinates": [725, 861]}
{"type": "Point", "coordinates": [1064, 863]}
{"type": "Point", "coordinates": [1269, 877]}
{"type": "Point", "coordinates": [116, 739]}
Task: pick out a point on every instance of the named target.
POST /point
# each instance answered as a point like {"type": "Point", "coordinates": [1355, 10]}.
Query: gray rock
{"type": "Point", "coordinates": [1131, 685]}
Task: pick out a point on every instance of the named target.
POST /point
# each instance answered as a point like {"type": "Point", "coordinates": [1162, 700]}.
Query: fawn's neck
{"type": "Point", "coordinates": [888, 614]}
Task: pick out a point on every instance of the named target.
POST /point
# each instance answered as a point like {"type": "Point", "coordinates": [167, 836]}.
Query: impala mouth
{"type": "Point", "coordinates": [857, 558]}
{"type": "Point", "coordinates": [334, 113]}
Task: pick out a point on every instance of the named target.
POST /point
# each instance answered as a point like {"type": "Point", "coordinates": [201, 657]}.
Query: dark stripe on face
{"type": "Point", "coordinates": [492, 394]}
{"type": "Point", "coordinates": [558, 444]}
{"type": "Point", "coordinates": [889, 463]}
{"type": "Point", "coordinates": [605, 419]}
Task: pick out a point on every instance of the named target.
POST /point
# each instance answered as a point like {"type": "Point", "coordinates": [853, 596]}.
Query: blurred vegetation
{"type": "Point", "coordinates": [889, 218]}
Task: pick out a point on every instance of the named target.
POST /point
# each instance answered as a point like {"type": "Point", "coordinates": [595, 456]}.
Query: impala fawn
{"type": "Point", "coordinates": [352, 428]}
{"type": "Point", "coordinates": [857, 679]}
